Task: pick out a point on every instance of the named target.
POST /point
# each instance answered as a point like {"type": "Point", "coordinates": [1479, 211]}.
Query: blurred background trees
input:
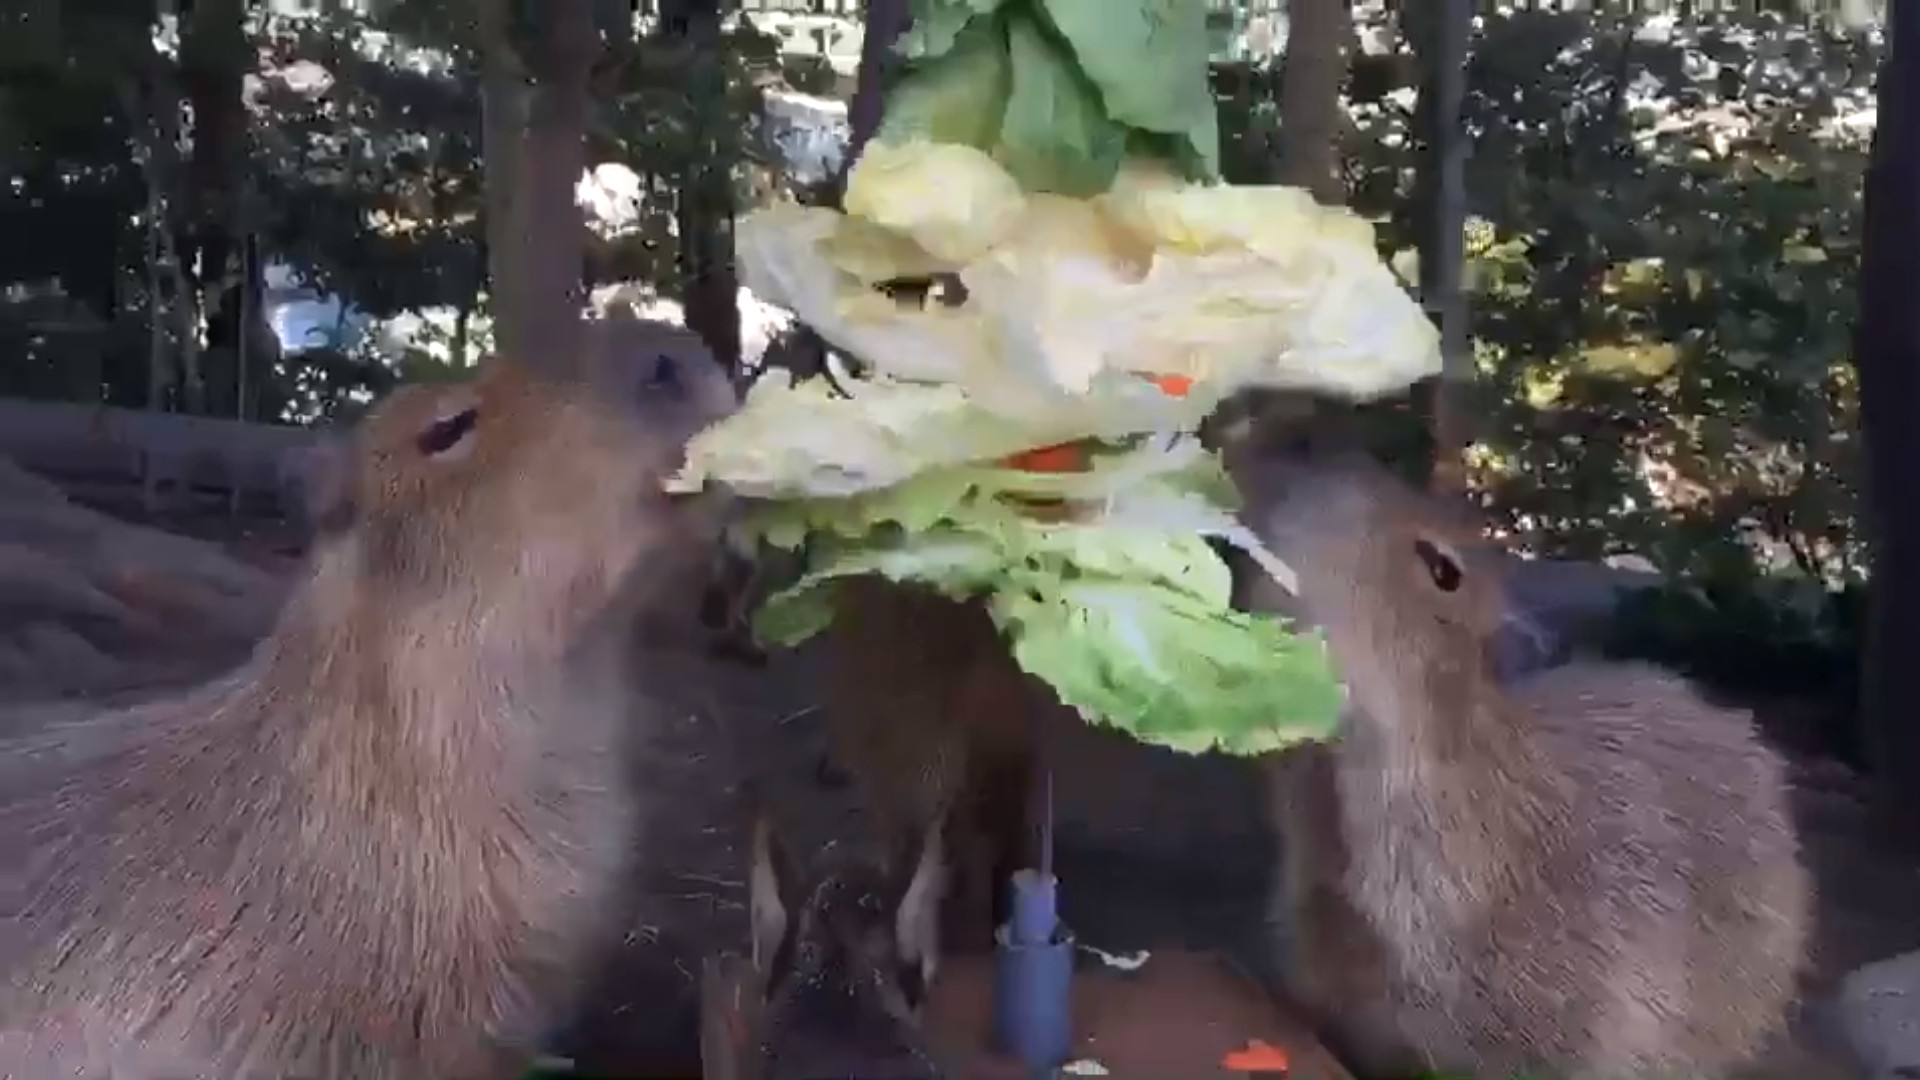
{"type": "Point", "coordinates": [253, 209]}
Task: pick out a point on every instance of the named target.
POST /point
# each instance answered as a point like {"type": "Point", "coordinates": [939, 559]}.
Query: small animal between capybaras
{"type": "Point", "coordinates": [844, 952]}
{"type": "Point", "coordinates": [929, 712]}
{"type": "Point", "coordinates": [1589, 872]}
{"type": "Point", "coordinates": [385, 845]}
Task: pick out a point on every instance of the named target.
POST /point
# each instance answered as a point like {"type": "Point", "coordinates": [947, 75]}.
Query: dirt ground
{"type": "Point", "coordinates": [1171, 847]}
{"type": "Point", "coordinates": [1155, 849]}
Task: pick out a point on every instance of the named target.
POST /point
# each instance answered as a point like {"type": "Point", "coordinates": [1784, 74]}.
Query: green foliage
{"type": "Point", "coordinates": [1710, 351]}
{"type": "Point", "coordinates": [74, 194]}
{"type": "Point", "coordinates": [1663, 255]}
{"type": "Point", "coordinates": [367, 186]}
{"type": "Point", "coordinates": [1759, 633]}
{"type": "Point", "coordinates": [1667, 365]}
{"type": "Point", "coordinates": [1662, 265]}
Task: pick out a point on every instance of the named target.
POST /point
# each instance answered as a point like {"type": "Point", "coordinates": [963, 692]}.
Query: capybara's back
{"type": "Point", "coordinates": [1592, 873]}
{"type": "Point", "coordinates": [1695, 785]}
{"type": "Point", "coordinates": [384, 846]}
{"type": "Point", "coordinates": [929, 712]}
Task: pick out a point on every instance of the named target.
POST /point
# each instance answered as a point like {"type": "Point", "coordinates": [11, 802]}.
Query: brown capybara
{"type": "Point", "coordinates": [927, 709]}
{"type": "Point", "coordinates": [844, 951]}
{"type": "Point", "coordinates": [1587, 873]}
{"type": "Point", "coordinates": [384, 845]}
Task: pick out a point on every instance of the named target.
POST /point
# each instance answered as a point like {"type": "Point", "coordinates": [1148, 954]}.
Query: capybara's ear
{"type": "Point", "coordinates": [773, 886]}
{"type": "Point", "coordinates": [916, 919]}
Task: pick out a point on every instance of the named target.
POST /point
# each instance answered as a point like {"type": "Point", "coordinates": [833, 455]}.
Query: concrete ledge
{"type": "Point", "coordinates": [1878, 1012]}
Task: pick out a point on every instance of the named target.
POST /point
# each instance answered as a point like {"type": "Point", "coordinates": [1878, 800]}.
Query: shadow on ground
{"type": "Point", "coordinates": [1155, 849]}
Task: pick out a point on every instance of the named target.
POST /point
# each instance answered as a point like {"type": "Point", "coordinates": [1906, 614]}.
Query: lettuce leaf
{"type": "Point", "coordinates": [1059, 90]}
{"type": "Point", "coordinates": [1134, 630]}
{"type": "Point", "coordinates": [1170, 669]}
{"type": "Point", "coordinates": [1150, 60]}
{"type": "Point", "coordinates": [938, 24]}
{"type": "Point", "coordinates": [1122, 605]}
{"type": "Point", "coordinates": [1057, 136]}
{"type": "Point", "coordinates": [959, 94]}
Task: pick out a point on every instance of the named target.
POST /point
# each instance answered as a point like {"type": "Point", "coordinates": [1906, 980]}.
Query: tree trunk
{"type": "Point", "coordinates": [143, 96]}
{"type": "Point", "coordinates": [214, 59]}
{"type": "Point", "coordinates": [555, 158]}
{"type": "Point", "coordinates": [462, 335]}
{"type": "Point", "coordinates": [503, 108]}
{"type": "Point", "coordinates": [1887, 352]}
{"type": "Point", "coordinates": [886, 21]}
{"type": "Point", "coordinates": [536, 152]}
{"type": "Point", "coordinates": [705, 211]}
{"type": "Point", "coordinates": [1441, 31]}
{"type": "Point", "coordinates": [160, 372]}
{"type": "Point", "coordinates": [1312, 122]}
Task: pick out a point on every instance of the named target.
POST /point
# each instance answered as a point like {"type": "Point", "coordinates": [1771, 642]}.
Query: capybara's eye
{"type": "Point", "coordinates": [1441, 565]}
{"type": "Point", "coordinates": [665, 374]}
{"type": "Point", "coordinates": [443, 435]}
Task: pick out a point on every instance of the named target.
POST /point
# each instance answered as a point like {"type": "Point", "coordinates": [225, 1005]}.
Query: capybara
{"type": "Point", "coordinates": [1589, 872]}
{"type": "Point", "coordinates": [385, 845]}
{"type": "Point", "coordinates": [844, 953]}
{"type": "Point", "coordinates": [929, 712]}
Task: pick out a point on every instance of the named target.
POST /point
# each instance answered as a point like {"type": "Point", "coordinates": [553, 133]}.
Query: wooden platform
{"type": "Point", "coordinates": [1180, 1014]}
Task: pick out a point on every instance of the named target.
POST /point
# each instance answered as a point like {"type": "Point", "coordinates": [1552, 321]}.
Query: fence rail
{"type": "Point", "coordinates": [99, 444]}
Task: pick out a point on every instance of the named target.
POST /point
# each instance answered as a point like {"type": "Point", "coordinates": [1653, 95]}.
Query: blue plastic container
{"type": "Point", "coordinates": [1033, 978]}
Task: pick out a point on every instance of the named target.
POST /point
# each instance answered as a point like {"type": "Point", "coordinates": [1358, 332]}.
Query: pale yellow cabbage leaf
{"type": "Point", "coordinates": [1231, 286]}
{"type": "Point", "coordinates": [805, 439]}
{"type": "Point", "coordinates": [800, 440]}
{"type": "Point", "coordinates": [955, 202]}
{"type": "Point", "coordinates": [780, 252]}
{"type": "Point", "coordinates": [1350, 327]}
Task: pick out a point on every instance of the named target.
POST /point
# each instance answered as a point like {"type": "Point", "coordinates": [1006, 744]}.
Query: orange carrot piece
{"type": "Point", "coordinates": [1172, 385]}
{"type": "Point", "coordinates": [1063, 457]}
{"type": "Point", "coordinates": [1258, 1057]}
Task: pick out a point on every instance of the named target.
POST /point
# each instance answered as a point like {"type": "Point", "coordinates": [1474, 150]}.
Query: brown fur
{"type": "Point", "coordinates": [1592, 874]}
{"type": "Point", "coordinates": [930, 713]}
{"type": "Point", "coordinates": [382, 846]}
{"type": "Point", "coordinates": [843, 955]}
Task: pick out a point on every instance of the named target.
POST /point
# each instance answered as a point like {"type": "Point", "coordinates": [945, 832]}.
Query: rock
{"type": "Point", "coordinates": [89, 602]}
{"type": "Point", "coordinates": [1878, 1012]}
{"type": "Point", "coordinates": [1558, 607]}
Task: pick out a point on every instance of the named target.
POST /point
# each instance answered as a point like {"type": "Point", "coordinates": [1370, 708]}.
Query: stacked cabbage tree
{"type": "Point", "coordinates": [1033, 446]}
